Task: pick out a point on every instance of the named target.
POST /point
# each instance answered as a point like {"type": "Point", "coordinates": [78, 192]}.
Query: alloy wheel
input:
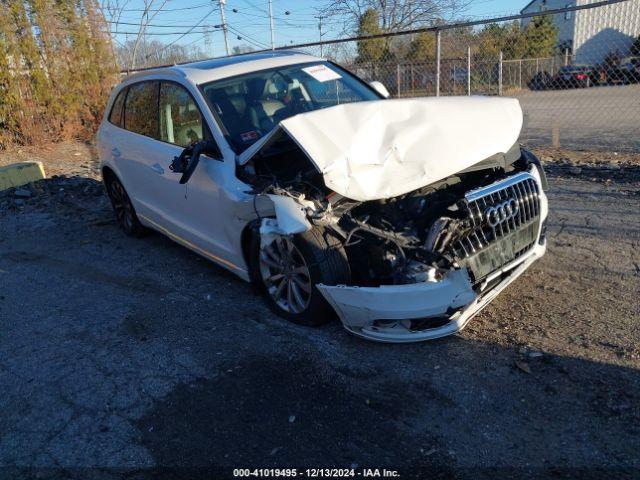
{"type": "Point", "coordinates": [286, 275]}
{"type": "Point", "coordinates": [121, 205]}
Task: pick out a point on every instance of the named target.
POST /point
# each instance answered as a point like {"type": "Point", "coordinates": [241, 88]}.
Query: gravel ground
{"type": "Point", "coordinates": [135, 358]}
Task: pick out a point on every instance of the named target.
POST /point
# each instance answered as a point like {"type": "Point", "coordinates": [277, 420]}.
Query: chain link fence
{"type": "Point", "coordinates": [576, 71]}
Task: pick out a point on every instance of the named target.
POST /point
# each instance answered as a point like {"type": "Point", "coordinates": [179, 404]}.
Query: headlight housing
{"type": "Point", "coordinates": [530, 159]}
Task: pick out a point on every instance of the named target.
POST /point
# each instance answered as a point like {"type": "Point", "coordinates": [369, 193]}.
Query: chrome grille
{"type": "Point", "coordinates": [497, 210]}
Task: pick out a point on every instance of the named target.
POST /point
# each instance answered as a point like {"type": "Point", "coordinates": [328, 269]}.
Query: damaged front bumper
{"type": "Point", "coordinates": [385, 313]}
{"type": "Point", "coordinates": [432, 309]}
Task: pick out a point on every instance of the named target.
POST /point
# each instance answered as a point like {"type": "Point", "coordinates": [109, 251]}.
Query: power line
{"type": "Point", "coordinates": [253, 5]}
{"type": "Point", "coordinates": [249, 38]}
{"type": "Point", "coordinates": [184, 34]}
{"type": "Point", "coordinates": [282, 19]}
{"type": "Point", "coordinates": [172, 25]}
{"type": "Point", "coordinates": [158, 34]}
{"type": "Point", "coordinates": [164, 9]}
{"type": "Point", "coordinates": [195, 41]}
{"type": "Point", "coordinates": [253, 41]}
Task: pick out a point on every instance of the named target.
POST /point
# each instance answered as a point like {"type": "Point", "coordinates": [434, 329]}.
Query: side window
{"type": "Point", "coordinates": [115, 116]}
{"type": "Point", "coordinates": [141, 109]}
{"type": "Point", "coordinates": [181, 122]}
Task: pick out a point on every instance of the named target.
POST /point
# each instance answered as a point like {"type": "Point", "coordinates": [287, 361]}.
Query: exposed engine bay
{"type": "Point", "coordinates": [411, 238]}
{"type": "Point", "coordinates": [414, 214]}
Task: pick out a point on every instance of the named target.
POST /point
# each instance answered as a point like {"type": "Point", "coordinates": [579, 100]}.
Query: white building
{"type": "Point", "coordinates": [592, 33]}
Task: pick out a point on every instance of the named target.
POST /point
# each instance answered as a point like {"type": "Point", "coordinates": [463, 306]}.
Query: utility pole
{"type": "Point", "coordinates": [500, 65]}
{"type": "Point", "coordinates": [208, 43]}
{"type": "Point", "coordinates": [224, 26]}
{"type": "Point", "coordinates": [273, 38]}
{"type": "Point", "coordinates": [320, 28]}
{"type": "Point", "coordinates": [438, 63]}
{"type": "Point", "coordinates": [468, 70]}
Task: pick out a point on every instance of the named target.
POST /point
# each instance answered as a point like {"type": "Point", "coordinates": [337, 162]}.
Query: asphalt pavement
{"type": "Point", "coordinates": [135, 358]}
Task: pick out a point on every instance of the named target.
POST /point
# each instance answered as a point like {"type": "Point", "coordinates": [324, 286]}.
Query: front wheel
{"type": "Point", "coordinates": [291, 266]}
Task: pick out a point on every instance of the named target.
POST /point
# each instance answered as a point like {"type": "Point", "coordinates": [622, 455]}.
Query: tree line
{"type": "Point", "coordinates": [538, 39]}
{"type": "Point", "coordinates": [57, 67]}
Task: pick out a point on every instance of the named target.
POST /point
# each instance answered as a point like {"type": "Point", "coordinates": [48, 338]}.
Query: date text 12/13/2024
{"type": "Point", "coordinates": [316, 473]}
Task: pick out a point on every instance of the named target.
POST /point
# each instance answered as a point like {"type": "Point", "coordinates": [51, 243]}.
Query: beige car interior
{"type": "Point", "coordinates": [180, 124]}
{"type": "Point", "coordinates": [253, 105]}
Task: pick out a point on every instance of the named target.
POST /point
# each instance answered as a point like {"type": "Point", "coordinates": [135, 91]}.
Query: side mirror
{"type": "Point", "coordinates": [380, 88]}
{"type": "Point", "coordinates": [189, 158]}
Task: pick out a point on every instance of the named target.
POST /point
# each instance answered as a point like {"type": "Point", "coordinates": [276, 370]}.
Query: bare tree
{"type": "Point", "coordinates": [153, 53]}
{"type": "Point", "coordinates": [395, 15]}
{"type": "Point", "coordinates": [113, 10]}
{"type": "Point", "coordinates": [148, 14]}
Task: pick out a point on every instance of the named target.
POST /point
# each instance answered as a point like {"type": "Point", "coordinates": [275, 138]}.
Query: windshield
{"type": "Point", "coordinates": [249, 106]}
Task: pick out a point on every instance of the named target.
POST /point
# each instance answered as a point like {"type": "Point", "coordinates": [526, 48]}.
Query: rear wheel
{"type": "Point", "coordinates": [123, 208]}
{"type": "Point", "coordinates": [291, 267]}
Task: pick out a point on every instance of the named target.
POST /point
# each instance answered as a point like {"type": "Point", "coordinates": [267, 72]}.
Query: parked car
{"type": "Point", "coordinates": [613, 74]}
{"type": "Point", "coordinates": [458, 75]}
{"type": "Point", "coordinates": [404, 217]}
{"type": "Point", "coordinates": [541, 81]}
{"type": "Point", "coordinates": [574, 76]}
{"type": "Point", "coordinates": [630, 66]}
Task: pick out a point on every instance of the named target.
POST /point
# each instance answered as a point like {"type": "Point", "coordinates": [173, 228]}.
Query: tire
{"type": "Point", "coordinates": [325, 261]}
{"type": "Point", "coordinates": [123, 208]}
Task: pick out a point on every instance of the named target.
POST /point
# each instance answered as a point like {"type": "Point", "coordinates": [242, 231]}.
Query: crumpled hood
{"type": "Point", "coordinates": [382, 149]}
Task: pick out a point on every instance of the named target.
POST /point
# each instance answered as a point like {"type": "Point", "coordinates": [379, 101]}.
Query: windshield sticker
{"type": "Point", "coordinates": [249, 136]}
{"type": "Point", "coordinates": [321, 73]}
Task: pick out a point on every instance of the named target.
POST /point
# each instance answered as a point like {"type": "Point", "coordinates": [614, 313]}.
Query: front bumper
{"type": "Point", "coordinates": [359, 307]}
{"type": "Point", "coordinates": [385, 313]}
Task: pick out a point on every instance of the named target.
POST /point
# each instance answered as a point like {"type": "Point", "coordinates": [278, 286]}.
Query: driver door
{"type": "Point", "coordinates": [180, 124]}
{"type": "Point", "coordinates": [143, 159]}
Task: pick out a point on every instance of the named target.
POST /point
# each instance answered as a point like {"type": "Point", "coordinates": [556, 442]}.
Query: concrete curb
{"type": "Point", "coordinates": [18, 174]}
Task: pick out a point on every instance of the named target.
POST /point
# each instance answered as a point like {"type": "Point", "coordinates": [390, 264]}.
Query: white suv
{"type": "Point", "coordinates": [404, 217]}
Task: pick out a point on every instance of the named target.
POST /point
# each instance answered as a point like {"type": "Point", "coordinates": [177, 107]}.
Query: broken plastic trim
{"type": "Point", "coordinates": [291, 218]}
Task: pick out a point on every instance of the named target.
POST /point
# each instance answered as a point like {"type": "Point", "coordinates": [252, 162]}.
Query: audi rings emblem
{"type": "Point", "coordinates": [501, 213]}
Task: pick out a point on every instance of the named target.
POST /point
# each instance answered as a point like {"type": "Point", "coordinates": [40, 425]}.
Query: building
{"type": "Point", "coordinates": [592, 34]}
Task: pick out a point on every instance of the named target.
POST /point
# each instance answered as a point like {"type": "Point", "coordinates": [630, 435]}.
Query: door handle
{"type": "Point", "coordinates": [158, 168]}
{"type": "Point", "coordinates": [116, 153]}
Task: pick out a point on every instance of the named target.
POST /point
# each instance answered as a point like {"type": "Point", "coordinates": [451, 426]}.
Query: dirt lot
{"type": "Point", "coordinates": [124, 358]}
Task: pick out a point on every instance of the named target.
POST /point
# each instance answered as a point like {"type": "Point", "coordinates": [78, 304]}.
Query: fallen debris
{"type": "Point", "coordinates": [22, 193]}
{"type": "Point", "coordinates": [523, 366]}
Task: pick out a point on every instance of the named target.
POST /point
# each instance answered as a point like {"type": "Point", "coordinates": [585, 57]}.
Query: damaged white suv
{"type": "Point", "coordinates": [403, 217]}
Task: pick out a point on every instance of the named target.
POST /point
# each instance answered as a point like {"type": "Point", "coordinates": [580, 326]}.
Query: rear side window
{"type": "Point", "coordinates": [116, 116]}
{"type": "Point", "coordinates": [180, 119]}
{"type": "Point", "coordinates": [141, 109]}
